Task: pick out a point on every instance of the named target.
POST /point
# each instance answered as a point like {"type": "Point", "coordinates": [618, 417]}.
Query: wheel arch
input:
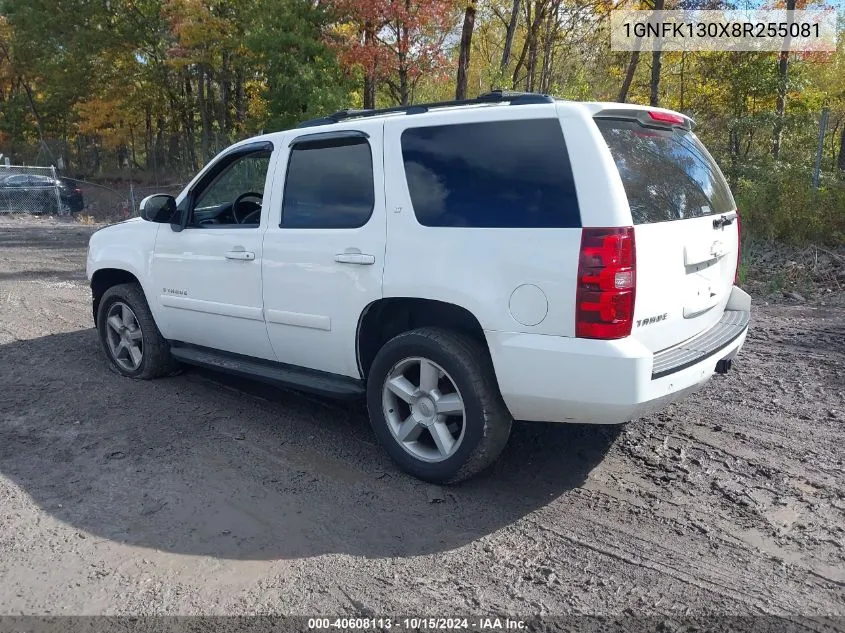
{"type": "Point", "coordinates": [385, 318]}
{"type": "Point", "coordinates": [105, 278]}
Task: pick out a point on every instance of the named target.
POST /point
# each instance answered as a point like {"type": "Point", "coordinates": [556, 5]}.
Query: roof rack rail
{"type": "Point", "coordinates": [495, 96]}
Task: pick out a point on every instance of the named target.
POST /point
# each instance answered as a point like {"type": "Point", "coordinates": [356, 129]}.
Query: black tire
{"type": "Point", "coordinates": [156, 359]}
{"type": "Point", "coordinates": [487, 420]}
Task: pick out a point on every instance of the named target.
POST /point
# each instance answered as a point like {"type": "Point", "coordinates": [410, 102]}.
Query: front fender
{"type": "Point", "coordinates": [127, 246]}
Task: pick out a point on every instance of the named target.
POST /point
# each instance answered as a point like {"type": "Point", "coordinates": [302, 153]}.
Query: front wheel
{"type": "Point", "coordinates": [130, 336]}
{"type": "Point", "coordinates": [435, 406]}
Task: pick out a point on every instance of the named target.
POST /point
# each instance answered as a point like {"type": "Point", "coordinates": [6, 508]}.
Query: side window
{"type": "Point", "coordinates": [329, 184]}
{"type": "Point", "coordinates": [492, 174]}
{"type": "Point", "coordinates": [234, 194]}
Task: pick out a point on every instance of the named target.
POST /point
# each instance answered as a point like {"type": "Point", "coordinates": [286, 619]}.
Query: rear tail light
{"type": "Point", "coordinates": [738, 248]}
{"type": "Point", "coordinates": [607, 281]}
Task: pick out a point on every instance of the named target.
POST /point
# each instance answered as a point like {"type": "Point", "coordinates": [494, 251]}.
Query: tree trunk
{"type": "Point", "coordinates": [841, 161]}
{"type": "Point", "coordinates": [188, 115]}
{"type": "Point", "coordinates": [733, 146]}
{"type": "Point", "coordinates": [202, 103]}
{"type": "Point", "coordinates": [549, 46]}
{"type": "Point", "coordinates": [530, 41]}
{"type": "Point", "coordinates": [225, 98]}
{"type": "Point", "coordinates": [506, 51]}
{"type": "Point", "coordinates": [225, 110]}
{"type": "Point", "coordinates": [148, 138]}
{"type": "Point", "coordinates": [175, 156]}
{"type": "Point", "coordinates": [532, 61]}
{"type": "Point", "coordinates": [466, 49]}
{"type": "Point", "coordinates": [404, 86]}
{"type": "Point", "coordinates": [240, 101]}
{"type": "Point", "coordinates": [159, 160]}
{"type": "Point", "coordinates": [683, 64]}
{"type": "Point", "coordinates": [369, 73]}
{"type": "Point", "coordinates": [654, 98]}
{"type": "Point", "coordinates": [629, 76]}
{"type": "Point", "coordinates": [783, 80]}
{"type": "Point", "coordinates": [404, 70]}
{"type": "Point", "coordinates": [133, 164]}
{"type": "Point", "coordinates": [35, 115]}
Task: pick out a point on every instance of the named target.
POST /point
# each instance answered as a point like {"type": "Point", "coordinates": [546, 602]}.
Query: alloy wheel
{"type": "Point", "coordinates": [424, 409]}
{"type": "Point", "coordinates": [124, 337]}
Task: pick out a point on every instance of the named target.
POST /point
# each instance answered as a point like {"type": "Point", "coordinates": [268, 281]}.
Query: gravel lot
{"type": "Point", "coordinates": [200, 494]}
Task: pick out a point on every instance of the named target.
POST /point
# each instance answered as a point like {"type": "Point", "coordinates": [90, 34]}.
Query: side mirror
{"type": "Point", "coordinates": [159, 208]}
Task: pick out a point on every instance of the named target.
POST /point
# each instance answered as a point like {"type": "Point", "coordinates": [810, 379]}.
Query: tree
{"type": "Point", "coordinates": [654, 85]}
{"type": "Point", "coordinates": [303, 77]}
{"type": "Point", "coordinates": [629, 75]}
{"type": "Point", "coordinates": [509, 33]}
{"type": "Point", "coordinates": [465, 50]}
{"type": "Point", "coordinates": [783, 81]}
{"type": "Point", "coordinates": [395, 41]}
{"type": "Point", "coordinates": [633, 62]}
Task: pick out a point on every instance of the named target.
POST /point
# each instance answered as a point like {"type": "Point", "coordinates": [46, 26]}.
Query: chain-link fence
{"type": "Point", "coordinates": [117, 200]}
{"type": "Point", "coordinates": [36, 190]}
{"type": "Point", "coordinates": [42, 191]}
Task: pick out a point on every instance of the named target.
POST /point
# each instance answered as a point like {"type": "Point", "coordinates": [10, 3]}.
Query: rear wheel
{"type": "Point", "coordinates": [435, 406]}
{"type": "Point", "coordinates": [130, 336]}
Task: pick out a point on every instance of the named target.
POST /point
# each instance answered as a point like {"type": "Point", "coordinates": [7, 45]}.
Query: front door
{"type": "Point", "coordinates": [324, 249]}
{"type": "Point", "coordinates": [209, 274]}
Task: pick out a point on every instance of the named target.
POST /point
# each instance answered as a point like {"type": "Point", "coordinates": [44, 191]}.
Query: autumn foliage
{"type": "Point", "coordinates": [161, 86]}
{"type": "Point", "coordinates": [395, 41]}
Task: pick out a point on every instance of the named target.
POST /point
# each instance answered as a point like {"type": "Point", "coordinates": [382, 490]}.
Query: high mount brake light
{"type": "Point", "coordinates": [604, 301]}
{"type": "Point", "coordinates": [666, 117]}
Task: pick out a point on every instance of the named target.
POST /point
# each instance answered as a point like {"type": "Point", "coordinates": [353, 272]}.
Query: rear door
{"type": "Point", "coordinates": [324, 248]}
{"type": "Point", "coordinates": [685, 227]}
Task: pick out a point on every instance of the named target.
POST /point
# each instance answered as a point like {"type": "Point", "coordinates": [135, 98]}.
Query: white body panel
{"type": "Point", "coordinates": [685, 270]}
{"type": "Point", "coordinates": [313, 301]}
{"type": "Point", "coordinates": [222, 307]}
{"type": "Point", "coordinates": [126, 246]}
{"type": "Point", "coordinates": [478, 269]}
{"type": "Point", "coordinates": [207, 298]}
{"type": "Point", "coordinates": [297, 304]}
{"type": "Point", "coordinates": [581, 380]}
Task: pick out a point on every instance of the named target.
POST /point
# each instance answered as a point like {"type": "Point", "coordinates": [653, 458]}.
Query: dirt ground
{"type": "Point", "coordinates": [200, 494]}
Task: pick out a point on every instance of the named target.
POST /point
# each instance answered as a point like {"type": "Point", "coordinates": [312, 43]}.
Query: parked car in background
{"type": "Point", "coordinates": [35, 193]}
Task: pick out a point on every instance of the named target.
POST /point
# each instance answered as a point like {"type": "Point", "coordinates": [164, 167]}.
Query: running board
{"type": "Point", "coordinates": [300, 378]}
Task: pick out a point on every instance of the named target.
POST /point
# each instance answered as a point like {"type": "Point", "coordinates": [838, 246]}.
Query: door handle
{"type": "Point", "coordinates": [241, 254]}
{"type": "Point", "coordinates": [361, 259]}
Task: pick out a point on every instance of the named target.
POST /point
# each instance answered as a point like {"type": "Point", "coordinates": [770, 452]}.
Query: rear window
{"type": "Point", "coordinates": [667, 174]}
{"type": "Point", "coordinates": [493, 174]}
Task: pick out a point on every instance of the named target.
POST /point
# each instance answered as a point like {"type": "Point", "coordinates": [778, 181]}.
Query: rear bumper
{"type": "Point", "coordinates": [563, 379]}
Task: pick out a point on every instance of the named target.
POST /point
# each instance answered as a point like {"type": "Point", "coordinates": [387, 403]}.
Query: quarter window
{"type": "Point", "coordinates": [508, 174]}
{"type": "Point", "coordinates": [329, 184]}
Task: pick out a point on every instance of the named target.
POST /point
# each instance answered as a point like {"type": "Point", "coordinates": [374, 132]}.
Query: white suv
{"type": "Point", "coordinates": [460, 264]}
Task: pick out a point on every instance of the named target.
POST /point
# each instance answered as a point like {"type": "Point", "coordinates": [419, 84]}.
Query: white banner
{"type": "Point", "coordinates": [779, 30]}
